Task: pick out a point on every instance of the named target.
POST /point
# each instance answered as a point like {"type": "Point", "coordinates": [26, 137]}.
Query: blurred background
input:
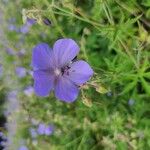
{"type": "Point", "coordinates": [112, 111]}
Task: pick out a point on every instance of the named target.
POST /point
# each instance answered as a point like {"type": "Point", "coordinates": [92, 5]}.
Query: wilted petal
{"type": "Point", "coordinates": [65, 90]}
{"type": "Point", "coordinates": [64, 51]}
{"type": "Point", "coordinates": [47, 22]}
{"type": "Point", "coordinates": [43, 82]}
{"type": "Point", "coordinates": [80, 72]}
{"type": "Point", "coordinates": [41, 57]}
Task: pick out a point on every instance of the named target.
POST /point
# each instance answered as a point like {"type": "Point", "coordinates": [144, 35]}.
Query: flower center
{"type": "Point", "coordinates": [57, 72]}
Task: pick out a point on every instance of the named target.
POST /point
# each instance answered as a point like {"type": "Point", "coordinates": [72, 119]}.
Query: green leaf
{"type": "Point", "coordinates": [129, 87]}
{"type": "Point", "coordinates": [146, 86]}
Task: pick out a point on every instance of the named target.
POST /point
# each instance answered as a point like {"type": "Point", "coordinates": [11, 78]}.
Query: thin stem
{"type": "Point", "coordinates": [128, 52]}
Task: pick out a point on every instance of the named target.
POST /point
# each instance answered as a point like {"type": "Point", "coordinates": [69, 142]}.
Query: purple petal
{"type": "Point", "coordinates": [24, 29]}
{"type": "Point", "coordinates": [1, 134]}
{"type": "Point", "coordinates": [64, 51]}
{"type": "Point", "coordinates": [30, 21]}
{"type": "Point", "coordinates": [28, 91]}
{"type": "Point", "coordinates": [49, 130]}
{"type": "Point", "coordinates": [10, 51]}
{"type": "Point", "coordinates": [1, 70]}
{"type": "Point", "coordinates": [12, 27]}
{"type": "Point", "coordinates": [41, 56]}
{"type": "Point", "coordinates": [65, 90]}
{"type": "Point", "coordinates": [41, 129]}
{"type": "Point", "coordinates": [43, 82]}
{"type": "Point", "coordinates": [21, 72]}
{"type": "Point", "coordinates": [33, 132]}
{"type": "Point", "coordinates": [80, 72]}
{"type": "Point", "coordinates": [23, 148]}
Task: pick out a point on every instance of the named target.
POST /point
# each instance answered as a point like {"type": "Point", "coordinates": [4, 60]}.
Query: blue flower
{"type": "Point", "coordinates": [41, 129]}
{"type": "Point", "coordinates": [49, 130]}
{"type": "Point", "coordinates": [30, 21]}
{"type": "Point", "coordinates": [21, 72]}
{"type": "Point", "coordinates": [10, 51]}
{"type": "Point", "coordinates": [55, 70]}
{"type": "Point", "coordinates": [33, 132]}
{"type": "Point", "coordinates": [26, 27]}
{"type": "Point", "coordinates": [45, 129]}
{"type": "Point", "coordinates": [28, 91]}
{"type": "Point", "coordinates": [1, 70]}
{"type": "Point", "coordinates": [23, 148]}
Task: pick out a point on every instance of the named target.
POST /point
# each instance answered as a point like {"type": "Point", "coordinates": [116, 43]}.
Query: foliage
{"type": "Point", "coordinates": [114, 39]}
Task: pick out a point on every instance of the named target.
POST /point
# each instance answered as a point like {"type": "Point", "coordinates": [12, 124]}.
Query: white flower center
{"type": "Point", "coordinates": [57, 72]}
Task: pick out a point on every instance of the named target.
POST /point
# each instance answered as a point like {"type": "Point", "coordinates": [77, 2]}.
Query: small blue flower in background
{"type": "Point", "coordinates": [1, 134]}
{"type": "Point", "coordinates": [23, 147]}
{"type": "Point", "coordinates": [12, 27]}
{"type": "Point", "coordinates": [10, 51]}
{"type": "Point", "coordinates": [21, 53]}
{"type": "Point", "coordinates": [5, 1]}
{"type": "Point", "coordinates": [45, 129]}
{"type": "Point", "coordinates": [131, 102]}
{"type": "Point", "coordinates": [1, 70]}
{"type": "Point", "coordinates": [55, 70]}
{"type": "Point", "coordinates": [12, 20]}
{"type": "Point", "coordinates": [30, 21]}
{"type": "Point", "coordinates": [41, 129]}
{"type": "Point", "coordinates": [21, 72]}
{"type": "Point", "coordinates": [3, 139]}
{"type": "Point", "coordinates": [12, 94]}
{"type": "Point", "coordinates": [33, 132]}
{"type": "Point", "coordinates": [26, 27]}
{"type": "Point", "coordinates": [49, 130]}
{"type": "Point", "coordinates": [28, 91]}
{"type": "Point", "coordinates": [3, 143]}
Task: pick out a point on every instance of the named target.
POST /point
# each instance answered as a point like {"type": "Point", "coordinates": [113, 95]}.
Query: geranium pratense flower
{"type": "Point", "coordinates": [54, 69]}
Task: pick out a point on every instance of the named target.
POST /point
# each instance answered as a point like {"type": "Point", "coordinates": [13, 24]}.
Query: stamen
{"type": "Point", "coordinates": [57, 72]}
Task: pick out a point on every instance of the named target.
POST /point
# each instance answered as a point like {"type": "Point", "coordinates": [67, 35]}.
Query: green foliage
{"type": "Point", "coordinates": [113, 37]}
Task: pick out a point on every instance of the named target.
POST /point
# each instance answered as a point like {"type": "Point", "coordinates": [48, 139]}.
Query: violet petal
{"type": "Point", "coordinates": [41, 57]}
{"type": "Point", "coordinates": [43, 83]}
{"type": "Point", "coordinates": [65, 90]}
{"type": "Point", "coordinates": [41, 129]}
{"type": "Point", "coordinates": [64, 51]}
{"type": "Point", "coordinates": [80, 72]}
{"type": "Point", "coordinates": [49, 130]}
